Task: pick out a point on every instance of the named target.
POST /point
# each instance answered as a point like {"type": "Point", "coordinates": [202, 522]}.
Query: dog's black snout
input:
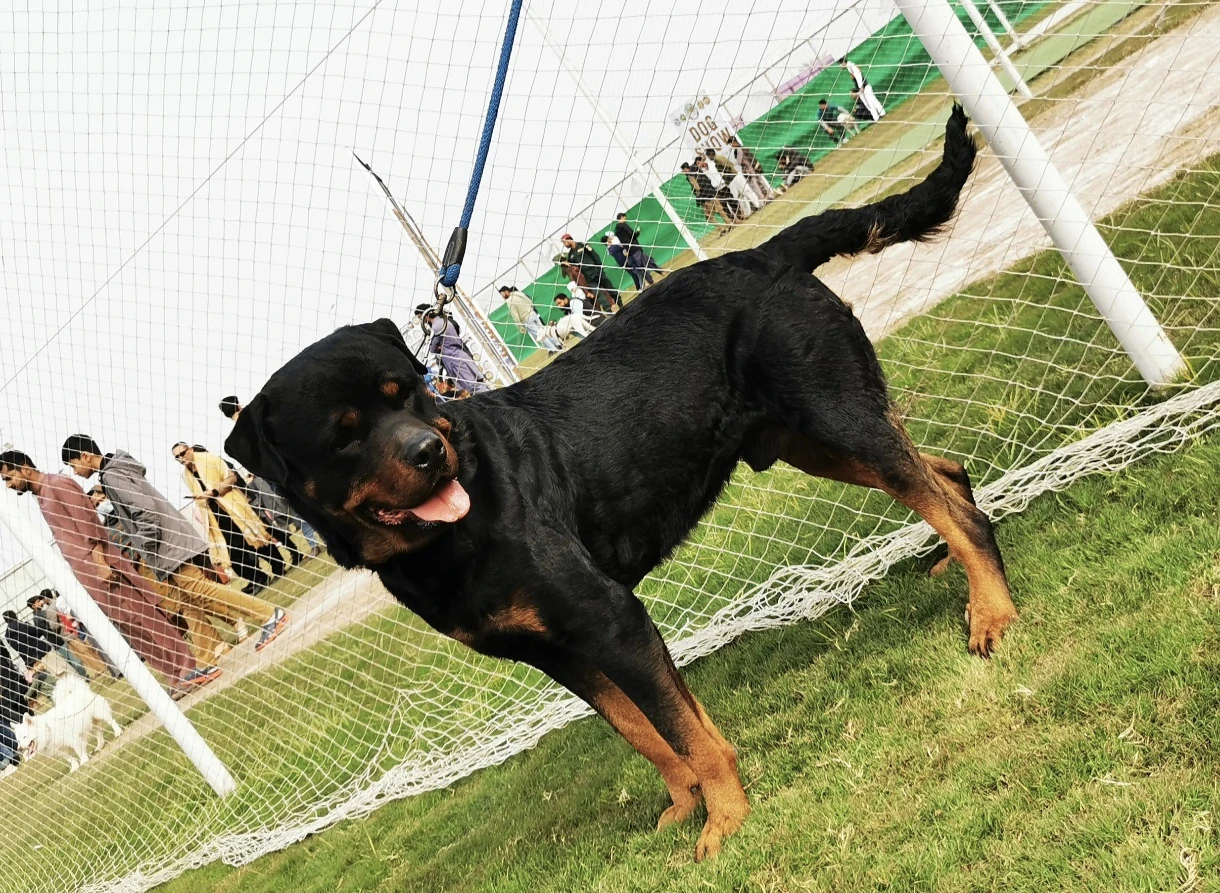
{"type": "Point", "coordinates": [425, 450]}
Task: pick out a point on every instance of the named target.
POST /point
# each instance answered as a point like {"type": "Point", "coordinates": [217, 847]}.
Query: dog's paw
{"type": "Point", "coordinates": [716, 829]}
{"type": "Point", "coordinates": [987, 626]}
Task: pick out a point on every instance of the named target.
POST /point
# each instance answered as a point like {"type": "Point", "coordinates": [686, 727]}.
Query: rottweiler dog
{"type": "Point", "coordinates": [520, 521]}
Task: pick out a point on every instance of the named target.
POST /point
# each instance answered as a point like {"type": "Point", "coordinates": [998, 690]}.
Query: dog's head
{"type": "Point", "coordinates": [23, 731]}
{"type": "Point", "coordinates": [349, 433]}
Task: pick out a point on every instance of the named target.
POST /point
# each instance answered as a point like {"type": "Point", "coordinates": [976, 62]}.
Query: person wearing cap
{"type": "Point", "coordinates": [875, 109]}
{"type": "Point", "coordinates": [521, 310]}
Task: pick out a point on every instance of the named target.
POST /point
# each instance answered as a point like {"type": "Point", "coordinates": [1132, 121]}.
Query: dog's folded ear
{"type": "Point", "coordinates": [388, 329]}
{"type": "Point", "coordinates": [250, 444]}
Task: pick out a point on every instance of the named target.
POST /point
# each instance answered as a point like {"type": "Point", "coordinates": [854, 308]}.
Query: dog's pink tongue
{"type": "Point", "coordinates": [448, 503]}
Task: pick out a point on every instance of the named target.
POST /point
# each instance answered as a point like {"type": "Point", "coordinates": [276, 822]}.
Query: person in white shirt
{"type": "Point", "coordinates": [867, 96]}
{"type": "Point", "coordinates": [573, 322]}
{"type": "Point", "coordinates": [732, 176]}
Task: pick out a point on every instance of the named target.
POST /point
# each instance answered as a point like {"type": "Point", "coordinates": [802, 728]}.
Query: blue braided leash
{"type": "Point", "coordinates": [455, 251]}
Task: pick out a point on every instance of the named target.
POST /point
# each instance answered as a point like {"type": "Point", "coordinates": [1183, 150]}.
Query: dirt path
{"type": "Point", "coordinates": [1138, 125]}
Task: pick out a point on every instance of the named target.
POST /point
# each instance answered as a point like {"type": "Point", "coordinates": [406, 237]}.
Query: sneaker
{"type": "Point", "coordinates": [272, 629]}
{"type": "Point", "coordinates": [200, 676]}
{"type": "Point", "coordinates": [241, 630]}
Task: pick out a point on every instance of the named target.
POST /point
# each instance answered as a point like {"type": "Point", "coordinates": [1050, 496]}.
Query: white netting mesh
{"type": "Point", "coordinates": [182, 211]}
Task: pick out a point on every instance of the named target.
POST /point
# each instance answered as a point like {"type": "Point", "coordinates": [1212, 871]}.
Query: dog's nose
{"type": "Point", "coordinates": [425, 451]}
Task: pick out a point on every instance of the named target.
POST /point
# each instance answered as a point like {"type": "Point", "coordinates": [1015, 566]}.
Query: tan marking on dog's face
{"type": "Point", "coordinates": [350, 418]}
{"type": "Point", "coordinates": [311, 489]}
{"type": "Point", "coordinates": [395, 484]}
{"type": "Point", "coordinates": [390, 389]}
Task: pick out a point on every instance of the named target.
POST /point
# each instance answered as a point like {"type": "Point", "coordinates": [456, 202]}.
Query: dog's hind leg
{"type": "Point", "coordinates": [106, 715]}
{"type": "Point", "coordinates": [954, 475]}
{"type": "Point", "coordinates": [879, 454]}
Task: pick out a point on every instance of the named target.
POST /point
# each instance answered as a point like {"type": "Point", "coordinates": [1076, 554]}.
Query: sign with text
{"type": "Point", "coordinates": [704, 124]}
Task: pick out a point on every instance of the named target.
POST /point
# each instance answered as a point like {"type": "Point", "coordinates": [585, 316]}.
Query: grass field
{"type": "Point", "coordinates": [875, 751]}
{"type": "Point", "coordinates": [877, 754]}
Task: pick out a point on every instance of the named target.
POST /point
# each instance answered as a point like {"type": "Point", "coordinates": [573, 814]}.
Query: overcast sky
{"type": "Point", "coordinates": [180, 211]}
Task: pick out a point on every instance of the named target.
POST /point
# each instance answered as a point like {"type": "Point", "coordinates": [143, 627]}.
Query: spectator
{"type": "Point", "coordinates": [867, 96]}
{"type": "Point", "coordinates": [833, 120]}
{"type": "Point", "coordinates": [13, 709]}
{"type": "Point", "coordinates": [794, 165]}
{"type": "Point", "coordinates": [119, 590]}
{"type": "Point", "coordinates": [705, 194]}
{"type": "Point", "coordinates": [592, 269]}
{"type": "Point", "coordinates": [81, 641]}
{"type": "Point", "coordinates": [747, 202]}
{"type": "Point", "coordinates": [46, 621]}
{"type": "Point", "coordinates": [44, 664]}
{"type": "Point", "coordinates": [860, 111]}
{"type": "Point", "coordinates": [281, 510]}
{"type": "Point", "coordinates": [615, 249]}
{"type": "Point", "coordinates": [573, 321]}
{"type": "Point", "coordinates": [640, 265]}
{"type": "Point", "coordinates": [237, 535]}
{"type": "Point", "coordinates": [717, 178]}
{"type": "Point", "coordinates": [451, 350]}
{"type": "Point", "coordinates": [523, 313]}
{"type": "Point", "coordinates": [171, 548]}
{"type": "Point", "coordinates": [747, 162]}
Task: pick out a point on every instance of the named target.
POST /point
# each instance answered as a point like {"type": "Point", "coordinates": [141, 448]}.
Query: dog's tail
{"type": "Point", "coordinates": [913, 216]}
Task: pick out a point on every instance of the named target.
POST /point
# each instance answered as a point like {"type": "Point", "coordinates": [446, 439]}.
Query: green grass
{"type": "Point", "coordinates": [876, 752]}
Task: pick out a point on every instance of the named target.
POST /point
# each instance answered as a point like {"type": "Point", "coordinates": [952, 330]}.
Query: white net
{"type": "Point", "coordinates": [184, 207]}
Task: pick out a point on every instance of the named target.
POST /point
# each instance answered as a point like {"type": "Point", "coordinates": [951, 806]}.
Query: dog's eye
{"type": "Point", "coordinates": [344, 440]}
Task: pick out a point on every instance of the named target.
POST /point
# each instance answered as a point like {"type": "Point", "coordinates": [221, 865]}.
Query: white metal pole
{"type": "Point", "coordinates": [141, 678]}
{"type": "Point", "coordinates": [1017, 43]}
{"type": "Point", "coordinates": [989, 38]}
{"type": "Point", "coordinates": [649, 174]}
{"type": "Point", "coordinates": [1042, 187]}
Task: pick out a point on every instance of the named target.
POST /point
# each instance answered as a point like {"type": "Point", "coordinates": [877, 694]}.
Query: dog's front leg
{"type": "Point", "coordinates": [607, 626]}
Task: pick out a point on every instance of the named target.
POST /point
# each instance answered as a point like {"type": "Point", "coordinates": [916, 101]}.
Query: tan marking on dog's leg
{"type": "Point", "coordinates": [680, 780]}
{"type": "Point", "coordinates": [725, 798]}
{"type": "Point", "coordinates": [919, 487]}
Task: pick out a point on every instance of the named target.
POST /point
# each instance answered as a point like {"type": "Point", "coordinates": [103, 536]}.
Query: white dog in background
{"type": "Point", "coordinates": [64, 729]}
